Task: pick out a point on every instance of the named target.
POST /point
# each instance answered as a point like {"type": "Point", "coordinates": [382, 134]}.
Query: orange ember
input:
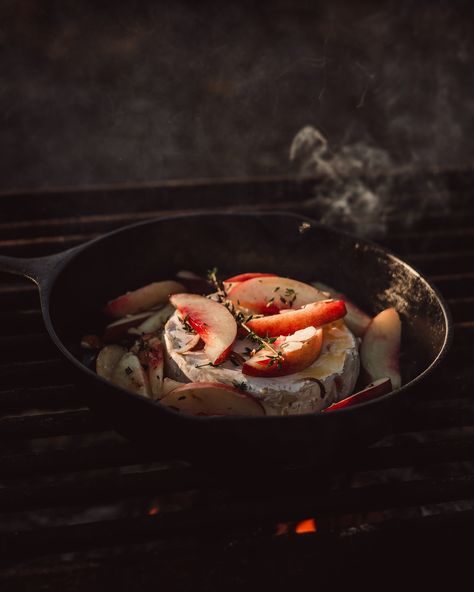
{"type": "Point", "coordinates": [308, 525]}
{"type": "Point", "coordinates": [153, 511]}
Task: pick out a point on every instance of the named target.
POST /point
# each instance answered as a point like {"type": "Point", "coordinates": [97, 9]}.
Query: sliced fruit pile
{"type": "Point", "coordinates": [283, 318]}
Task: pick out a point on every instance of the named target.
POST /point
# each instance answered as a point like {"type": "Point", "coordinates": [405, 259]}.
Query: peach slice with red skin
{"type": "Point", "coordinates": [142, 299]}
{"type": "Point", "coordinates": [212, 398]}
{"type": "Point", "coordinates": [380, 348]}
{"type": "Point", "coordinates": [243, 277]}
{"type": "Point", "coordinates": [380, 387]}
{"type": "Point", "coordinates": [356, 319]}
{"type": "Point", "coordinates": [298, 351]}
{"type": "Point", "coordinates": [211, 320]}
{"type": "Point", "coordinates": [311, 315]}
{"type": "Point", "coordinates": [269, 295]}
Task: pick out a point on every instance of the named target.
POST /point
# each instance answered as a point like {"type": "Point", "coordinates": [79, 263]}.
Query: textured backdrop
{"type": "Point", "coordinates": [164, 90]}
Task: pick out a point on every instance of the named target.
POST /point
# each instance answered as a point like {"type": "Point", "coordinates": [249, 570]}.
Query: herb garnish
{"type": "Point", "coordinates": [242, 386]}
{"type": "Point", "coordinates": [209, 364]}
{"type": "Point", "coordinates": [186, 326]}
{"type": "Point", "coordinates": [218, 285]}
{"type": "Point", "coordinates": [290, 296]}
{"type": "Point", "coordinates": [241, 319]}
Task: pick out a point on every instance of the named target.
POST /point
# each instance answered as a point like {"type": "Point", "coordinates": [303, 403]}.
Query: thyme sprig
{"type": "Point", "coordinates": [263, 342]}
{"type": "Point", "coordinates": [218, 285]}
{"type": "Point", "coordinates": [186, 326]}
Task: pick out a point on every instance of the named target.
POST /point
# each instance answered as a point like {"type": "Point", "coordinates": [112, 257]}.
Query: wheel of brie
{"type": "Point", "coordinates": [330, 378]}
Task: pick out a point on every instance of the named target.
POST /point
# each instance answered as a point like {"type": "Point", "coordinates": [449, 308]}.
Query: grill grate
{"type": "Point", "coordinates": [75, 496]}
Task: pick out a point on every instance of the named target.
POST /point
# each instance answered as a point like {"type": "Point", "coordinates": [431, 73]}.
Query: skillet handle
{"type": "Point", "coordinates": [37, 269]}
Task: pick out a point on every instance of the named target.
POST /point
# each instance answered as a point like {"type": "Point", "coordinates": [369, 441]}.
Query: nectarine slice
{"type": "Point", "coordinates": [212, 398]}
{"type": "Point", "coordinates": [243, 277]}
{"type": "Point", "coordinates": [211, 320]}
{"type": "Point", "coordinates": [298, 351]}
{"type": "Point", "coordinates": [143, 298]}
{"type": "Point", "coordinates": [151, 357]}
{"type": "Point", "coordinates": [268, 295]}
{"type": "Point", "coordinates": [130, 375]}
{"type": "Point", "coordinates": [380, 348]}
{"type": "Point", "coordinates": [109, 356]}
{"type": "Point", "coordinates": [356, 319]}
{"type": "Point", "coordinates": [380, 387]}
{"type": "Point", "coordinates": [311, 315]}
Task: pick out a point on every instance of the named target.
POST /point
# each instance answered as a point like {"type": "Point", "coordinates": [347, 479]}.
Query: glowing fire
{"type": "Point", "coordinates": [153, 511]}
{"type": "Point", "coordinates": [308, 525]}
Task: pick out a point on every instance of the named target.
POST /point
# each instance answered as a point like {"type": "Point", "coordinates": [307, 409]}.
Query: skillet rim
{"type": "Point", "coordinates": [64, 258]}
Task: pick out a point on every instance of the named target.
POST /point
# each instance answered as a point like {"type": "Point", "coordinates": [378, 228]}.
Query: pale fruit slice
{"type": "Point", "coordinates": [312, 315]}
{"type": "Point", "coordinates": [169, 385]}
{"type": "Point", "coordinates": [130, 375]}
{"type": "Point", "coordinates": [212, 398]}
{"type": "Point", "coordinates": [109, 356]}
{"type": "Point", "coordinates": [155, 322]}
{"type": "Point", "coordinates": [380, 348]}
{"type": "Point", "coordinates": [355, 319]}
{"type": "Point", "coordinates": [211, 320]}
{"type": "Point", "coordinates": [380, 387]}
{"type": "Point", "coordinates": [151, 357]}
{"type": "Point", "coordinates": [144, 298]}
{"type": "Point", "coordinates": [268, 295]}
{"type": "Point", "coordinates": [243, 277]}
{"type": "Point", "coordinates": [298, 351]}
{"type": "Point", "coordinates": [116, 330]}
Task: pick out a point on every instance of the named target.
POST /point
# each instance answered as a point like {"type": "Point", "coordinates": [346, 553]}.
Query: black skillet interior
{"type": "Point", "coordinates": [281, 243]}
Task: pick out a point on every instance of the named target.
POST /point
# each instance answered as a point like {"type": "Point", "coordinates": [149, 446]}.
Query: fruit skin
{"type": "Point", "coordinates": [243, 277]}
{"type": "Point", "coordinates": [142, 299]}
{"type": "Point", "coordinates": [380, 348]}
{"type": "Point", "coordinates": [296, 357]}
{"type": "Point", "coordinates": [356, 319]}
{"type": "Point", "coordinates": [380, 387]}
{"type": "Point", "coordinates": [312, 315]}
{"type": "Point", "coordinates": [269, 295]}
{"type": "Point", "coordinates": [211, 320]}
{"type": "Point", "coordinates": [212, 398]}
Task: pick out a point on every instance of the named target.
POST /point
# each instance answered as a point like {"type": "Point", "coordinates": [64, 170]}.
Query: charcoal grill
{"type": "Point", "coordinates": [81, 506]}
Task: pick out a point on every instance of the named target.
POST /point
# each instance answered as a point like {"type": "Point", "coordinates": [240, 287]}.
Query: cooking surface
{"type": "Point", "coordinates": [82, 505]}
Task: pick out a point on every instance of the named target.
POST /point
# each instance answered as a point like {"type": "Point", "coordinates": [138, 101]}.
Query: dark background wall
{"type": "Point", "coordinates": [165, 90]}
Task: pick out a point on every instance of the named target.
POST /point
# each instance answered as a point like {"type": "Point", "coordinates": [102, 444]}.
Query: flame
{"type": "Point", "coordinates": [308, 525]}
{"type": "Point", "coordinates": [153, 511]}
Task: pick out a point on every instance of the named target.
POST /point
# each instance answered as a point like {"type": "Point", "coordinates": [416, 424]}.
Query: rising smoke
{"type": "Point", "coordinates": [355, 185]}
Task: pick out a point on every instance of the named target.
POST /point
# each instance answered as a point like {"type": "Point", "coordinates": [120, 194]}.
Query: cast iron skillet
{"type": "Point", "coordinates": [75, 284]}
